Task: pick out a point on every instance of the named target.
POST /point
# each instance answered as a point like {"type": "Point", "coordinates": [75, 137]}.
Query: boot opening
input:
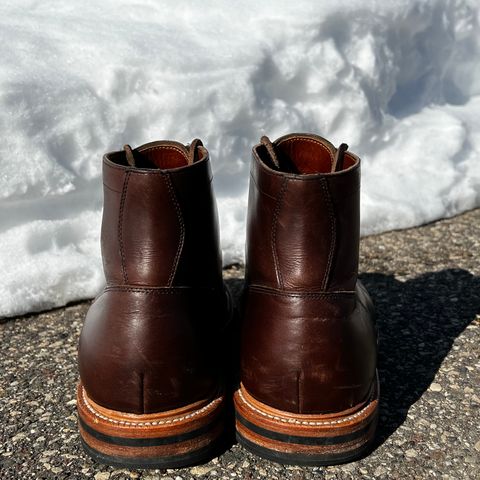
{"type": "Point", "coordinates": [302, 155]}
{"type": "Point", "coordinates": [160, 156]}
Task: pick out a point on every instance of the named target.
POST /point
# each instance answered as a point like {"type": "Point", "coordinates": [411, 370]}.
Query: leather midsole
{"type": "Point", "coordinates": [287, 424]}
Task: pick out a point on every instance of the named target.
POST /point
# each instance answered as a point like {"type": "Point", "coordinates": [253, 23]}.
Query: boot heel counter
{"type": "Point", "coordinates": [148, 350]}
{"type": "Point", "coordinates": [327, 362]}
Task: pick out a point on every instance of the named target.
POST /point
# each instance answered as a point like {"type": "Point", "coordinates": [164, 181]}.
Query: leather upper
{"type": "Point", "coordinates": [308, 342]}
{"type": "Point", "coordinates": [160, 226]}
{"type": "Point", "coordinates": [150, 340]}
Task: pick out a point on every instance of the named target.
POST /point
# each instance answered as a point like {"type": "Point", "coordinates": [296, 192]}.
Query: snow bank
{"type": "Point", "coordinates": [398, 80]}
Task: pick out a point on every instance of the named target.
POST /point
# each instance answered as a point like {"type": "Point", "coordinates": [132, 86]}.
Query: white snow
{"type": "Point", "coordinates": [397, 80]}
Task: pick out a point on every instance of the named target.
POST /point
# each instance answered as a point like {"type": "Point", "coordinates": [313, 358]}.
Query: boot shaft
{"type": "Point", "coordinates": [160, 225]}
{"type": "Point", "coordinates": [303, 217]}
{"type": "Point", "coordinates": [307, 320]}
{"type": "Point", "coordinates": [150, 340]}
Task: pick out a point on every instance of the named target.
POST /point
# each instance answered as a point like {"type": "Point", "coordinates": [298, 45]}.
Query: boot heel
{"type": "Point", "coordinates": [301, 439]}
{"type": "Point", "coordinates": [171, 439]}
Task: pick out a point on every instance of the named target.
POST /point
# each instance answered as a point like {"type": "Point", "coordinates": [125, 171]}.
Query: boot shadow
{"type": "Point", "coordinates": [418, 321]}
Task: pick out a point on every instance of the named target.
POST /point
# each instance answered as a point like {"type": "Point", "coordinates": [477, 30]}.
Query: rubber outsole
{"type": "Point", "coordinates": [302, 460]}
{"type": "Point", "coordinates": [178, 461]}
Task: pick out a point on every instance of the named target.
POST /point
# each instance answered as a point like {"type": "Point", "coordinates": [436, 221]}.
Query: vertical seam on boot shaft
{"type": "Point", "coordinates": [273, 239]}
{"type": "Point", "coordinates": [331, 214]}
{"type": "Point", "coordinates": [142, 391]}
{"type": "Point", "coordinates": [299, 399]}
{"type": "Point", "coordinates": [120, 227]}
{"type": "Point", "coordinates": [178, 210]}
{"type": "Point", "coordinates": [301, 382]}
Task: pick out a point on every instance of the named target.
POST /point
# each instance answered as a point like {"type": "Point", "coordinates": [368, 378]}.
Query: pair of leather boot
{"type": "Point", "coordinates": [155, 342]}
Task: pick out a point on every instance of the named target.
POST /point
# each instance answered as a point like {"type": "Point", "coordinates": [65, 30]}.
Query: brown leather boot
{"type": "Point", "coordinates": [309, 391]}
{"type": "Point", "coordinates": [150, 393]}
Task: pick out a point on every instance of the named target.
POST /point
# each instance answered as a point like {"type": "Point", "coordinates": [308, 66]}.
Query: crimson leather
{"type": "Point", "coordinates": [151, 340]}
{"type": "Point", "coordinates": [309, 340]}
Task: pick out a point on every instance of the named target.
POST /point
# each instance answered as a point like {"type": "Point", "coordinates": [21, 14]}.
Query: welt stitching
{"type": "Point", "coordinates": [333, 238]}
{"type": "Point", "coordinates": [182, 229]}
{"type": "Point", "coordinates": [134, 423]}
{"type": "Point", "coordinates": [307, 422]}
{"type": "Point", "coordinates": [273, 240]}
{"type": "Point", "coordinates": [120, 226]}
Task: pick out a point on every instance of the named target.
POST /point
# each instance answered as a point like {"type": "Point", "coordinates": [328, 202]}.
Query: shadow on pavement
{"type": "Point", "coordinates": [418, 321]}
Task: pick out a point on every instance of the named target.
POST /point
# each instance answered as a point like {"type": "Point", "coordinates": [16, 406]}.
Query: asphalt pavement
{"type": "Point", "coordinates": [426, 286]}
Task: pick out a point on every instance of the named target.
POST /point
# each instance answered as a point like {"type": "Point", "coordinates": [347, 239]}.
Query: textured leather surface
{"type": "Point", "coordinates": [308, 343]}
{"type": "Point", "coordinates": [150, 340]}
